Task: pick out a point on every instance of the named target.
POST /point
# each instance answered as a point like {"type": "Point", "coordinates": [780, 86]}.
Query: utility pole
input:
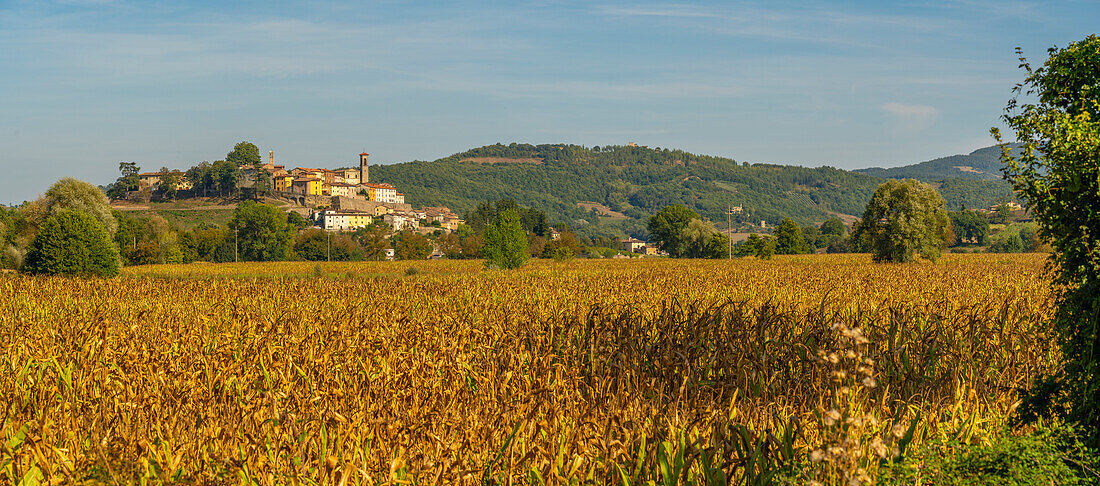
{"type": "Point", "coordinates": [329, 251]}
{"type": "Point", "coordinates": [729, 224]}
{"type": "Point", "coordinates": [235, 239]}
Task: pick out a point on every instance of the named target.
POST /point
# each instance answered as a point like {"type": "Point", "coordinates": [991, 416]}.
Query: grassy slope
{"type": "Point", "coordinates": [638, 181]}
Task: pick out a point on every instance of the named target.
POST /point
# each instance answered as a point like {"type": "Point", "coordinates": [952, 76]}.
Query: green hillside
{"type": "Point", "coordinates": [981, 164]}
{"type": "Point", "coordinates": [637, 182]}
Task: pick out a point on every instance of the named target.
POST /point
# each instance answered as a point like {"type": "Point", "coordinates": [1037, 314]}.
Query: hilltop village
{"type": "Point", "coordinates": [342, 202]}
{"type": "Point", "coordinates": [340, 199]}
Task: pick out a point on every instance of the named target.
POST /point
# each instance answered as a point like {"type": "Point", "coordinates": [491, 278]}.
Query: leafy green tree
{"type": "Point", "coordinates": [788, 238]}
{"type": "Point", "coordinates": [506, 242]}
{"type": "Point", "coordinates": [834, 227]}
{"type": "Point", "coordinates": [702, 240]}
{"type": "Point", "coordinates": [1029, 235]}
{"type": "Point", "coordinates": [372, 239]}
{"type": "Point", "coordinates": [202, 242]}
{"type": "Point", "coordinates": [263, 184]}
{"type": "Point", "coordinates": [72, 194]}
{"type": "Point", "coordinates": [261, 232]}
{"type": "Point", "coordinates": [1007, 241]}
{"type": "Point", "coordinates": [320, 245]}
{"type": "Point", "coordinates": [169, 179]}
{"type": "Point", "coordinates": [244, 153]}
{"type": "Point", "coordinates": [903, 218]}
{"type": "Point", "coordinates": [297, 220]}
{"type": "Point", "coordinates": [1001, 214]}
{"type": "Point", "coordinates": [1058, 176]}
{"type": "Point", "coordinates": [223, 175]}
{"type": "Point", "coordinates": [450, 245]}
{"type": "Point", "coordinates": [969, 227]}
{"type": "Point", "coordinates": [71, 242]}
{"type": "Point", "coordinates": [411, 246]}
{"type": "Point", "coordinates": [667, 227]}
{"type": "Point", "coordinates": [566, 247]}
{"type": "Point", "coordinates": [762, 247]}
{"type": "Point", "coordinates": [126, 182]}
{"type": "Point", "coordinates": [200, 178]}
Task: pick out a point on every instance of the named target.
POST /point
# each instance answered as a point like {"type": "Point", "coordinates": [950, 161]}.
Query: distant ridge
{"type": "Point", "coordinates": [981, 164]}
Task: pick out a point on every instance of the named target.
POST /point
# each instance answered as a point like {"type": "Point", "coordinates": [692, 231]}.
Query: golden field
{"type": "Point", "coordinates": [810, 368]}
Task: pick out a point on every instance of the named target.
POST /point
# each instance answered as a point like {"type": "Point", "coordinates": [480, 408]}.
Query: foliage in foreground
{"type": "Point", "coordinates": [1047, 456]}
{"type": "Point", "coordinates": [650, 370]}
{"type": "Point", "coordinates": [1058, 174]}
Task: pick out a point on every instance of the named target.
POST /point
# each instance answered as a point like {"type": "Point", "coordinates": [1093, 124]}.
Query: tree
{"type": "Point", "coordinates": [244, 153]}
{"type": "Point", "coordinates": [762, 247]}
{"type": "Point", "coordinates": [834, 228]}
{"type": "Point", "coordinates": [320, 245]}
{"type": "Point", "coordinates": [1001, 214]}
{"type": "Point", "coordinates": [564, 248]}
{"type": "Point", "coordinates": [72, 242]}
{"type": "Point", "coordinates": [223, 175]}
{"type": "Point", "coordinates": [373, 241]}
{"type": "Point", "coordinates": [72, 194]}
{"type": "Point", "coordinates": [411, 246]}
{"type": "Point", "coordinates": [788, 238]}
{"type": "Point", "coordinates": [702, 240]}
{"type": "Point", "coordinates": [297, 220]}
{"type": "Point", "coordinates": [200, 177]}
{"type": "Point", "coordinates": [127, 182]}
{"type": "Point", "coordinates": [450, 245]}
{"type": "Point", "coordinates": [667, 226]}
{"type": "Point", "coordinates": [1057, 173]}
{"type": "Point", "coordinates": [903, 218]}
{"type": "Point", "coordinates": [261, 232]}
{"type": "Point", "coordinates": [969, 227]}
{"type": "Point", "coordinates": [1007, 241]}
{"type": "Point", "coordinates": [506, 242]}
{"type": "Point", "coordinates": [169, 179]}
{"type": "Point", "coordinates": [263, 184]}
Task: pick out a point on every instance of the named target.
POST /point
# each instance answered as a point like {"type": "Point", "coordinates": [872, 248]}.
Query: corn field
{"type": "Point", "coordinates": [800, 369]}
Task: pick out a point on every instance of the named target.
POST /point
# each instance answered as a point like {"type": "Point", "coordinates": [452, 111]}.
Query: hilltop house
{"type": "Point", "coordinates": [151, 180]}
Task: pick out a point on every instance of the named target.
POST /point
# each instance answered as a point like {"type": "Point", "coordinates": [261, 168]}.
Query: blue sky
{"type": "Point", "coordinates": [85, 84]}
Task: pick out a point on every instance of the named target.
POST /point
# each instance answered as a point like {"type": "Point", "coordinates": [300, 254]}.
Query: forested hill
{"type": "Point", "coordinates": [981, 164]}
{"type": "Point", "coordinates": [633, 181]}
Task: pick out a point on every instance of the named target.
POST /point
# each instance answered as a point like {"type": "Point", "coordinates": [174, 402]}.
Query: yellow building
{"type": "Point", "coordinates": [283, 182]}
{"type": "Point", "coordinates": [345, 220]}
{"type": "Point", "coordinates": [310, 186]}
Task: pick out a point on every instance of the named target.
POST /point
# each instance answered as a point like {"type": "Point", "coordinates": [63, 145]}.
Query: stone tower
{"type": "Point", "coordinates": [364, 172]}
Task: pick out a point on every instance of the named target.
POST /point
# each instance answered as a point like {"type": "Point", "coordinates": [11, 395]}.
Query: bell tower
{"type": "Point", "coordinates": [364, 172]}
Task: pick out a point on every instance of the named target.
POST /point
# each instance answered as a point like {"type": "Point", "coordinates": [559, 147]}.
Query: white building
{"type": "Point", "coordinates": [401, 221]}
{"type": "Point", "coordinates": [342, 189]}
{"type": "Point", "coordinates": [383, 193]}
{"type": "Point", "coordinates": [345, 220]}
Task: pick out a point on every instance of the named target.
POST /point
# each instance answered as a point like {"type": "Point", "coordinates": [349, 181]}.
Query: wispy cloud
{"type": "Point", "coordinates": [911, 117]}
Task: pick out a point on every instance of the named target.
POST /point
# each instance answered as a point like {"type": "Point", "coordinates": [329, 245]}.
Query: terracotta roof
{"type": "Point", "coordinates": [364, 153]}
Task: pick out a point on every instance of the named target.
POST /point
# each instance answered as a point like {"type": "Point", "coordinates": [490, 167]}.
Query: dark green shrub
{"type": "Point", "coordinates": [72, 243]}
{"type": "Point", "coordinates": [1050, 456]}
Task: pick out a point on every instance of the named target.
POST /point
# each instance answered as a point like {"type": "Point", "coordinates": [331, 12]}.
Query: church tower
{"type": "Point", "coordinates": [364, 172]}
